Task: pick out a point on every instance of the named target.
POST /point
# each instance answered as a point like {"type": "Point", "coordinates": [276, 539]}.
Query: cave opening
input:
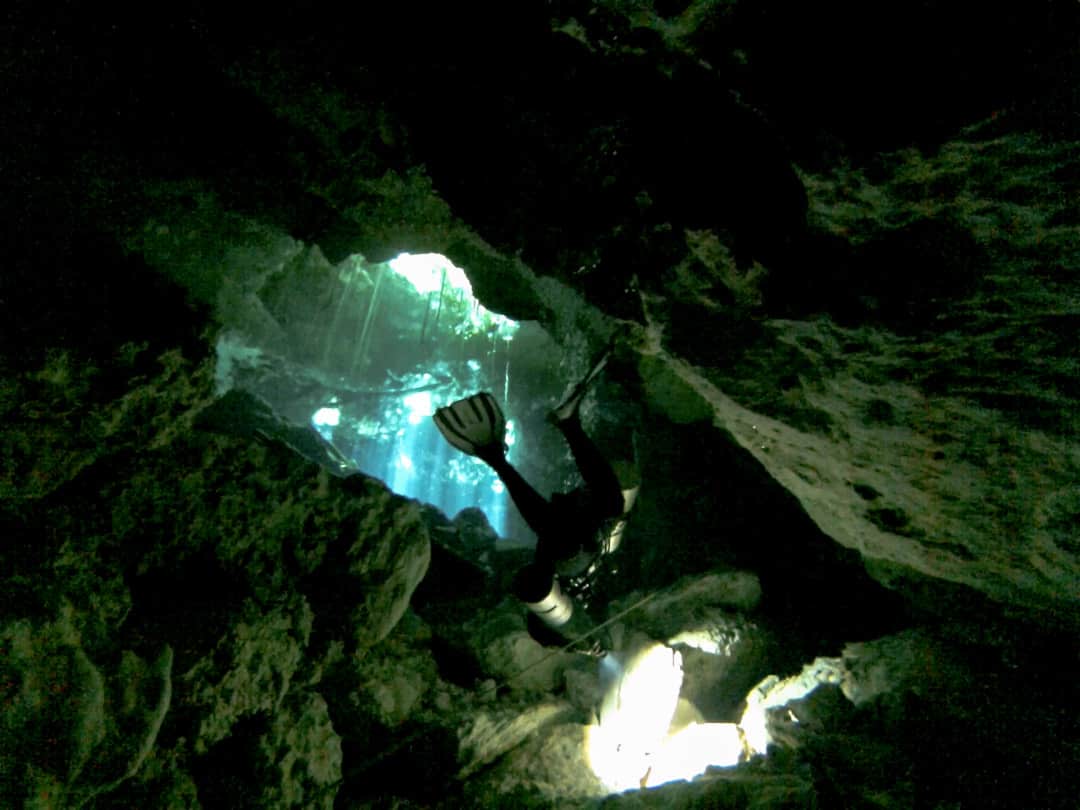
{"type": "Point", "coordinates": [375, 349]}
{"type": "Point", "coordinates": [360, 354]}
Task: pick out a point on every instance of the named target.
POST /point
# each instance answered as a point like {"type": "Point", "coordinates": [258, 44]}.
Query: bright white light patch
{"type": "Point", "coordinates": [419, 406]}
{"type": "Point", "coordinates": [689, 751]}
{"type": "Point", "coordinates": [433, 272]}
{"type": "Point", "coordinates": [326, 417]}
{"type": "Point", "coordinates": [634, 717]}
{"type": "Point", "coordinates": [635, 743]}
{"type": "Point", "coordinates": [425, 272]}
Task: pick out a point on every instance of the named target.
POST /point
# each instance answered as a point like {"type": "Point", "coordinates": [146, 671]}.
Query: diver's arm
{"type": "Point", "coordinates": [534, 507]}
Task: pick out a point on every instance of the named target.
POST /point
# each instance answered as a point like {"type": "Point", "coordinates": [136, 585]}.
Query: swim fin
{"type": "Point", "coordinates": [473, 425]}
{"type": "Point", "coordinates": [569, 406]}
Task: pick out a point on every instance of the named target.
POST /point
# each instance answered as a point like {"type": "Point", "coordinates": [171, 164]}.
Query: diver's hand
{"type": "Point", "coordinates": [493, 454]}
{"type": "Point", "coordinates": [474, 425]}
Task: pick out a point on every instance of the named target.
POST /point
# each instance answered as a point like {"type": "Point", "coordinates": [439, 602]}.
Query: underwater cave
{"type": "Point", "coordinates": [399, 339]}
{"type": "Point", "coordinates": [249, 257]}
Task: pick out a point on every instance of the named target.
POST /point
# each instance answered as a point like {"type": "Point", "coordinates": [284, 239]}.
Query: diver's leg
{"type": "Point", "coordinates": [568, 408]}
{"type": "Point", "coordinates": [595, 470]}
{"type": "Point", "coordinates": [534, 507]}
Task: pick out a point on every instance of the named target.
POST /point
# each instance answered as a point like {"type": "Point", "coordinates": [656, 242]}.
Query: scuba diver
{"type": "Point", "coordinates": [574, 530]}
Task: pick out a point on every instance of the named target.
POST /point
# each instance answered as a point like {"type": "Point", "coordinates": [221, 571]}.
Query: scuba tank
{"type": "Point", "coordinates": [555, 616]}
{"type": "Point", "coordinates": [581, 573]}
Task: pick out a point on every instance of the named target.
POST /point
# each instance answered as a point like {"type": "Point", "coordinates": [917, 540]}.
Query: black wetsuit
{"type": "Point", "coordinates": [572, 523]}
{"type": "Point", "coordinates": [571, 532]}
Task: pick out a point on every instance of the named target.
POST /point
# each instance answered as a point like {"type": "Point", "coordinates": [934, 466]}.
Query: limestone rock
{"type": "Point", "coordinates": [550, 763]}
{"type": "Point", "coordinates": [388, 556]}
{"type": "Point", "coordinates": [671, 610]}
{"type": "Point", "coordinates": [860, 417]}
{"type": "Point", "coordinates": [491, 733]}
{"type": "Point", "coordinates": [72, 733]}
{"type": "Point", "coordinates": [771, 789]}
{"type": "Point", "coordinates": [389, 685]}
{"type": "Point", "coordinates": [251, 671]}
{"type": "Point", "coordinates": [524, 664]}
{"type": "Point", "coordinates": [302, 755]}
{"type": "Point", "coordinates": [475, 535]}
{"type": "Point", "coordinates": [723, 657]}
{"type": "Point", "coordinates": [769, 701]}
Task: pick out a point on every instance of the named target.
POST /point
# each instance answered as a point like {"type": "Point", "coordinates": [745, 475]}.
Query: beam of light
{"type": "Point", "coordinates": [391, 436]}
{"type": "Point", "coordinates": [401, 445]}
{"type": "Point", "coordinates": [634, 716]}
{"type": "Point", "coordinates": [636, 741]}
{"type": "Point", "coordinates": [398, 340]}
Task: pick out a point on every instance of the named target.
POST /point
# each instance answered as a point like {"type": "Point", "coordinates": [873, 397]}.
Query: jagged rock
{"type": "Point", "coordinates": [912, 660]}
{"type": "Point", "coordinates": [395, 688]}
{"type": "Point", "coordinates": [475, 535]}
{"type": "Point", "coordinates": [302, 755]}
{"type": "Point", "coordinates": [387, 559]}
{"type": "Point", "coordinates": [165, 782]}
{"type": "Point", "coordinates": [672, 610]}
{"type": "Point", "coordinates": [723, 657]}
{"type": "Point", "coordinates": [769, 702]}
{"type": "Point", "coordinates": [879, 673]}
{"type": "Point", "coordinates": [491, 733]}
{"type": "Point", "coordinates": [245, 521]}
{"type": "Point", "coordinates": [389, 685]}
{"type": "Point", "coordinates": [859, 418]}
{"type": "Point", "coordinates": [746, 791]}
{"type": "Point", "coordinates": [522, 663]}
{"type": "Point", "coordinates": [251, 670]}
{"type": "Point", "coordinates": [72, 733]}
{"type": "Point", "coordinates": [140, 695]}
{"type": "Point", "coordinates": [852, 715]}
{"type": "Point", "coordinates": [724, 653]}
{"type": "Point", "coordinates": [504, 650]}
{"type": "Point", "coordinates": [550, 762]}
